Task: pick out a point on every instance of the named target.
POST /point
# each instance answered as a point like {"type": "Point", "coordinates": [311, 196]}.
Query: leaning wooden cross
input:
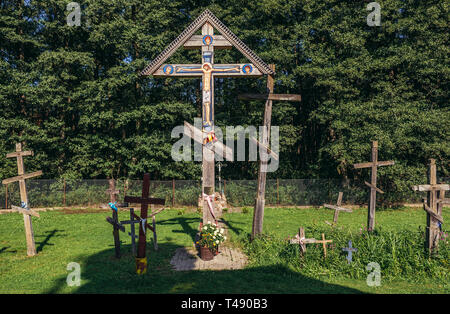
{"type": "Point", "coordinates": [433, 205]}
{"type": "Point", "coordinates": [208, 42]}
{"type": "Point", "coordinates": [114, 221]}
{"type": "Point", "coordinates": [258, 215]}
{"type": "Point", "coordinates": [24, 209]}
{"type": "Point", "coordinates": [337, 209]}
{"type": "Point", "coordinates": [373, 182]}
{"type": "Point", "coordinates": [144, 200]}
{"type": "Point", "coordinates": [302, 241]}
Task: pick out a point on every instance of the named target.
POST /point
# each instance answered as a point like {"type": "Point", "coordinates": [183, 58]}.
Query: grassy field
{"type": "Point", "coordinates": [86, 238]}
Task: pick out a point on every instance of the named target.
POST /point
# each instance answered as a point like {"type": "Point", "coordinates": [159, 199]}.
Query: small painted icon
{"type": "Point", "coordinates": [247, 69]}
{"type": "Point", "coordinates": [168, 69]}
{"type": "Point", "coordinates": [207, 40]}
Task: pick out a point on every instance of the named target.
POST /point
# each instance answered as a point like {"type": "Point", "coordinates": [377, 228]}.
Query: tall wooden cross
{"type": "Point", "coordinates": [27, 213]}
{"type": "Point", "coordinates": [337, 209]}
{"type": "Point", "coordinates": [433, 205]}
{"type": "Point", "coordinates": [258, 215]}
{"type": "Point", "coordinates": [144, 200]}
{"type": "Point", "coordinates": [373, 182]}
{"type": "Point", "coordinates": [208, 42]}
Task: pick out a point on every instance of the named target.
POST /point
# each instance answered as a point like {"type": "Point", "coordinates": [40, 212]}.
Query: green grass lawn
{"type": "Point", "coordinates": [86, 238]}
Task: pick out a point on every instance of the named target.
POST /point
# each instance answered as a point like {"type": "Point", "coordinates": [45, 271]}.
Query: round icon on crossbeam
{"type": "Point", "coordinates": [207, 40]}
{"type": "Point", "coordinates": [168, 69]}
{"type": "Point", "coordinates": [247, 69]}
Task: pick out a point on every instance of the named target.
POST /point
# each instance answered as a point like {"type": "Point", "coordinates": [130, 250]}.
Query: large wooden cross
{"type": "Point", "coordinates": [373, 182]}
{"type": "Point", "coordinates": [258, 215]}
{"type": "Point", "coordinates": [24, 209]}
{"type": "Point", "coordinates": [208, 42]}
{"type": "Point", "coordinates": [433, 205]}
{"type": "Point", "coordinates": [144, 200]}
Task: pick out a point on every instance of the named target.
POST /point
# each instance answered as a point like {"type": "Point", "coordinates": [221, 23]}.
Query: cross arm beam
{"type": "Point", "coordinates": [371, 164]}
{"type": "Point", "coordinates": [343, 209]}
{"type": "Point", "coordinates": [18, 154]}
{"type": "Point", "coordinates": [373, 187]}
{"type": "Point", "coordinates": [22, 177]}
{"type": "Point", "coordinates": [431, 187]}
{"type": "Point", "coordinates": [279, 97]}
{"type": "Point", "coordinates": [24, 211]}
{"type": "Point", "coordinates": [195, 70]}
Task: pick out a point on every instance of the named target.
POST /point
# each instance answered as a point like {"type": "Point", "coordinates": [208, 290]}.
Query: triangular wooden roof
{"type": "Point", "coordinates": [206, 16]}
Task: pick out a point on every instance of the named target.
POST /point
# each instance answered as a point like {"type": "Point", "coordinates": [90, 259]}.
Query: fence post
{"type": "Point", "coordinates": [225, 188]}
{"type": "Point", "coordinates": [278, 195]}
{"type": "Point", "coordinates": [6, 196]}
{"type": "Point", "coordinates": [64, 199]}
{"type": "Point", "coordinates": [173, 193]}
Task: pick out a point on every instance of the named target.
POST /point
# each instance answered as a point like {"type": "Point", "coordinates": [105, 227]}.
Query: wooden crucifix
{"type": "Point", "coordinates": [337, 209]}
{"type": "Point", "coordinates": [302, 241]}
{"type": "Point", "coordinates": [258, 215]}
{"type": "Point", "coordinates": [373, 182]}
{"type": "Point", "coordinates": [132, 232]}
{"type": "Point", "coordinates": [208, 42]}
{"type": "Point", "coordinates": [115, 218]}
{"type": "Point", "coordinates": [24, 209]}
{"type": "Point", "coordinates": [433, 205]}
{"type": "Point", "coordinates": [144, 200]}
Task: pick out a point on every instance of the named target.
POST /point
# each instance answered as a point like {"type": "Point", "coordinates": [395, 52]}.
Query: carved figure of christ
{"type": "Point", "coordinates": [207, 71]}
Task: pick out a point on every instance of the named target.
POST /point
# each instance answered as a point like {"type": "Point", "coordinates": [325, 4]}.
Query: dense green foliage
{"type": "Point", "coordinates": [73, 94]}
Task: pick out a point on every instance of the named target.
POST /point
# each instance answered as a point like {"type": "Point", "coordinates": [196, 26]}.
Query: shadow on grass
{"type": "Point", "coordinates": [48, 236]}
{"type": "Point", "coordinates": [185, 223]}
{"type": "Point", "coordinates": [102, 273]}
{"type": "Point", "coordinates": [4, 250]}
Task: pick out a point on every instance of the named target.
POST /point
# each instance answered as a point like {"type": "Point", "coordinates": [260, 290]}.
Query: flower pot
{"type": "Point", "coordinates": [206, 254]}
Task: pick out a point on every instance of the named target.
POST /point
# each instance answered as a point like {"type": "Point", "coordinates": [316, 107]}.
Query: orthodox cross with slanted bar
{"type": "Point", "coordinates": [373, 182]}
{"type": "Point", "coordinates": [433, 205]}
{"type": "Point", "coordinates": [24, 209]}
{"type": "Point", "coordinates": [144, 200]}
{"type": "Point", "coordinates": [258, 215]}
{"type": "Point", "coordinates": [337, 209]}
{"type": "Point", "coordinates": [208, 42]}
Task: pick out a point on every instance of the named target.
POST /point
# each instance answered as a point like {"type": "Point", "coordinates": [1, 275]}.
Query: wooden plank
{"type": "Point", "coordinates": [432, 213]}
{"type": "Point", "coordinates": [177, 73]}
{"type": "Point", "coordinates": [116, 224]}
{"type": "Point", "coordinates": [22, 177]}
{"type": "Point", "coordinates": [373, 187]}
{"type": "Point", "coordinates": [140, 224]}
{"type": "Point", "coordinates": [429, 187]}
{"type": "Point", "coordinates": [219, 42]}
{"type": "Point", "coordinates": [373, 192]}
{"type": "Point", "coordinates": [371, 164]}
{"type": "Point", "coordinates": [25, 211]}
{"type": "Point", "coordinates": [140, 200]}
{"type": "Point", "coordinates": [338, 208]}
{"type": "Point", "coordinates": [277, 97]}
{"type": "Point", "coordinates": [17, 154]}
{"type": "Point", "coordinates": [444, 201]}
{"type": "Point", "coordinates": [218, 147]}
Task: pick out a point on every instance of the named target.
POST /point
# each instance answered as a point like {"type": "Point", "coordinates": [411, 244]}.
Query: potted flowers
{"type": "Point", "coordinates": [210, 238]}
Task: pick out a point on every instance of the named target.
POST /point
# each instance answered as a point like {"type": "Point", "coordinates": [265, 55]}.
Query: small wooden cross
{"type": "Point", "coordinates": [433, 205]}
{"type": "Point", "coordinates": [373, 183]}
{"type": "Point", "coordinates": [302, 241]}
{"type": "Point", "coordinates": [133, 235]}
{"type": "Point", "coordinates": [144, 200]}
{"type": "Point", "coordinates": [27, 213]}
{"type": "Point", "coordinates": [258, 215]}
{"type": "Point", "coordinates": [350, 251]}
{"type": "Point", "coordinates": [337, 209]}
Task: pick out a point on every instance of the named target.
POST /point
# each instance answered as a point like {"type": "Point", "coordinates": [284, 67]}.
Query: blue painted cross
{"type": "Point", "coordinates": [350, 251]}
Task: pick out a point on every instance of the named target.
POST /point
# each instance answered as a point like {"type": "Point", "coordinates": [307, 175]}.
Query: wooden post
{"type": "Point", "coordinates": [6, 196]}
{"type": "Point", "coordinates": [173, 193]}
{"type": "Point", "coordinates": [278, 195]}
{"type": "Point", "coordinates": [64, 193]}
{"type": "Point", "coordinates": [132, 233]}
{"type": "Point", "coordinates": [373, 183]}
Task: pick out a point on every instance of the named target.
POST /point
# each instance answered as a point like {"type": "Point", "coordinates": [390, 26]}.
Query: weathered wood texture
{"type": "Point", "coordinates": [373, 164]}
{"type": "Point", "coordinates": [337, 208]}
{"type": "Point", "coordinates": [433, 205]}
{"type": "Point", "coordinates": [29, 234]}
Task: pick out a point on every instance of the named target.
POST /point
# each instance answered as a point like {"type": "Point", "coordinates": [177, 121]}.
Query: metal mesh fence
{"type": "Point", "coordinates": [300, 192]}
